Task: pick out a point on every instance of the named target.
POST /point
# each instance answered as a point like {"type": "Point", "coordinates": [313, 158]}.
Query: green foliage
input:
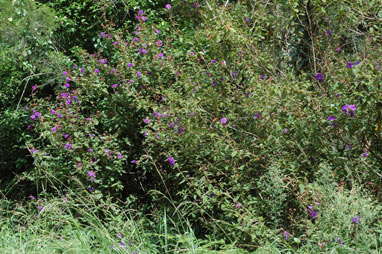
{"type": "Point", "coordinates": [257, 121]}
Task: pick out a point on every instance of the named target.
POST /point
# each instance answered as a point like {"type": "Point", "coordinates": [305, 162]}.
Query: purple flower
{"type": "Point", "coordinates": [147, 120]}
{"type": "Point", "coordinates": [82, 69]}
{"type": "Point", "coordinates": [68, 146]}
{"type": "Point", "coordinates": [180, 130]}
{"type": "Point", "coordinates": [115, 43]}
{"type": "Point", "coordinates": [377, 67]}
{"type": "Point", "coordinates": [142, 51]}
{"type": "Point", "coordinates": [284, 131]}
{"type": "Point", "coordinates": [347, 107]}
{"type": "Point", "coordinates": [144, 18]}
{"type": "Point", "coordinates": [96, 71]}
{"type": "Point", "coordinates": [257, 116]}
{"type": "Point", "coordinates": [168, 6]}
{"type": "Point", "coordinates": [135, 39]}
{"type": "Point", "coordinates": [91, 189]}
{"type": "Point", "coordinates": [159, 43]}
{"type": "Point", "coordinates": [33, 117]}
{"type": "Point", "coordinates": [91, 174]}
{"type": "Point", "coordinates": [39, 208]}
{"type": "Point", "coordinates": [160, 55]}
{"type": "Point", "coordinates": [54, 129]}
{"type": "Point", "coordinates": [213, 61]}
{"type": "Point", "coordinates": [349, 65]}
{"type": "Point", "coordinates": [356, 63]}
{"type": "Point", "coordinates": [331, 118]}
{"type": "Point", "coordinates": [133, 162]}
{"type": "Point", "coordinates": [286, 234]}
{"type": "Point", "coordinates": [312, 213]}
{"type": "Point", "coordinates": [139, 74]}
{"type": "Point", "coordinates": [330, 32]}
{"type": "Point", "coordinates": [224, 120]}
{"type": "Point", "coordinates": [31, 197]}
{"type": "Point", "coordinates": [319, 77]}
{"type": "Point", "coordinates": [119, 235]}
{"type": "Point", "coordinates": [365, 154]}
{"type": "Point", "coordinates": [34, 87]}
{"type": "Point", "coordinates": [356, 219]}
{"type": "Point", "coordinates": [338, 50]}
{"type": "Point", "coordinates": [64, 73]}
{"type": "Point", "coordinates": [171, 161]}
{"type": "Point", "coordinates": [192, 53]}
{"type": "Point", "coordinates": [129, 65]}
{"type": "Point", "coordinates": [238, 205]}
{"type": "Point", "coordinates": [67, 85]}
{"type": "Point", "coordinates": [120, 156]}
{"type": "Point", "coordinates": [157, 31]}
{"type": "Point", "coordinates": [90, 150]}
{"type": "Point", "coordinates": [115, 85]}
{"type": "Point", "coordinates": [140, 12]}
{"type": "Point", "coordinates": [103, 34]}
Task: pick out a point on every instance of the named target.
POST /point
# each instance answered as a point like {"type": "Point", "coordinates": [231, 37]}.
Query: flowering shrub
{"type": "Point", "coordinates": [237, 122]}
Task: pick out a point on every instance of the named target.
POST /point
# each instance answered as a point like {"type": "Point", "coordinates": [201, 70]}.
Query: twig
{"type": "Point", "coordinates": [29, 77]}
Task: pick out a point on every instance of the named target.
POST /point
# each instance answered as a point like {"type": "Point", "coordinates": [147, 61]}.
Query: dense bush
{"type": "Point", "coordinates": [258, 121]}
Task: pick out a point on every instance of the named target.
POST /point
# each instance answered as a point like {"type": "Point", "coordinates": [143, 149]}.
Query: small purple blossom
{"type": "Point", "coordinates": [223, 120]}
{"type": "Point", "coordinates": [365, 154]}
{"type": "Point", "coordinates": [34, 88]}
{"type": "Point", "coordinates": [120, 156]}
{"type": "Point", "coordinates": [159, 43]}
{"type": "Point", "coordinates": [312, 213]}
{"type": "Point", "coordinates": [64, 73]}
{"type": "Point", "coordinates": [67, 85]}
{"type": "Point", "coordinates": [330, 32]}
{"type": "Point", "coordinates": [139, 74]}
{"type": "Point", "coordinates": [68, 146]}
{"type": "Point", "coordinates": [54, 129]}
{"type": "Point", "coordinates": [332, 118]}
{"type": "Point", "coordinates": [356, 219]}
{"type": "Point", "coordinates": [96, 71]}
{"type": "Point", "coordinates": [257, 116]}
{"type": "Point", "coordinates": [338, 50]}
{"type": "Point", "coordinates": [168, 6]}
{"type": "Point", "coordinates": [319, 77]}
{"type": "Point", "coordinates": [133, 162]}
{"type": "Point", "coordinates": [286, 234]}
{"type": "Point", "coordinates": [284, 131]}
{"type": "Point", "coordinates": [349, 65]}
{"type": "Point", "coordinates": [31, 197]}
{"type": "Point", "coordinates": [129, 65]}
{"type": "Point", "coordinates": [356, 63]}
{"type": "Point", "coordinates": [192, 53]}
{"type": "Point", "coordinates": [213, 61]}
{"type": "Point", "coordinates": [238, 205]}
{"type": "Point", "coordinates": [91, 174]}
{"type": "Point", "coordinates": [147, 120]}
{"type": "Point", "coordinates": [135, 39]}
{"type": "Point", "coordinates": [171, 161]}
{"type": "Point", "coordinates": [346, 108]}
